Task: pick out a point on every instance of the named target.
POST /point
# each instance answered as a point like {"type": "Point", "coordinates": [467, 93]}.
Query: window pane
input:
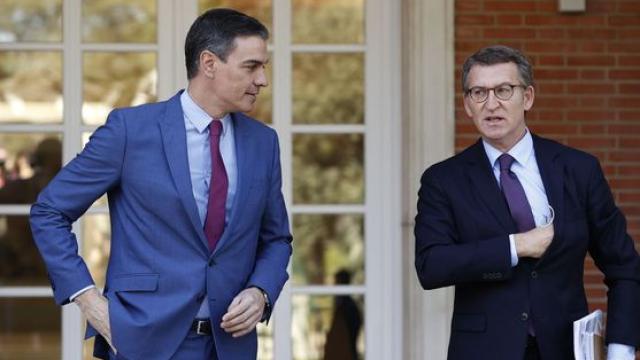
{"type": "Point", "coordinates": [27, 163]}
{"type": "Point", "coordinates": [329, 248]}
{"type": "Point", "coordinates": [328, 88]}
{"type": "Point", "coordinates": [20, 261]}
{"type": "Point", "coordinates": [96, 236]}
{"type": "Point", "coordinates": [30, 87]}
{"type": "Point", "coordinates": [116, 80]}
{"type": "Point", "coordinates": [259, 9]}
{"type": "Point", "coordinates": [30, 329]}
{"type": "Point", "coordinates": [328, 169]}
{"type": "Point", "coordinates": [328, 327]}
{"type": "Point", "coordinates": [119, 21]}
{"type": "Point", "coordinates": [22, 21]}
{"type": "Point", "coordinates": [328, 21]}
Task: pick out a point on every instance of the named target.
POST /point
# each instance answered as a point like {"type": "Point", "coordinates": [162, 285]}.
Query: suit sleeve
{"type": "Point", "coordinates": [270, 271]}
{"type": "Point", "coordinates": [88, 176]}
{"type": "Point", "coordinates": [442, 258]}
{"type": "Point", "coordinates": [614, 254]}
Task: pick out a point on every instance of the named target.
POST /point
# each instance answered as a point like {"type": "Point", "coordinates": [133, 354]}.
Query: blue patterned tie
{"type": "Point", "coordinates": [515, 196]}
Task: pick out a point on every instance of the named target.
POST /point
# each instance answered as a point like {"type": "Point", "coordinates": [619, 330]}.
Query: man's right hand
{"type": "Point", "coordinates": [95, 308]}
{"type": "Point", "coordinates": [534, 242]}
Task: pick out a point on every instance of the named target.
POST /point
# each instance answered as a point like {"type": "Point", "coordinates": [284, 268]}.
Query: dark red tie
{"type": "Point", "coordinates": [214, 223]}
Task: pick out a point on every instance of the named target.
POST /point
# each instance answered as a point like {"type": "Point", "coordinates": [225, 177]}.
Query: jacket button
{"type": "Point", "coordinates": [211, 262]}
{"type": "Point", "coordinates": [200, 297]}
{"type": "Point", "coordinates": [534, 275]}
{"type": "Point", "coordinates": [524, 316]}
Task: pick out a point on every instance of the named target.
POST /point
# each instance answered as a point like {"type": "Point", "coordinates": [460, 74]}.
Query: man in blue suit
{"type": "Point", "coordinates": [200, 236]}
{"type": "Point", "coordinates": [509, 221]}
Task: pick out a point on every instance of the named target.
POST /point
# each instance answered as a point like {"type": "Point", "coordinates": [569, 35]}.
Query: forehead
{"type": "Point", "coordinates": [249, 48]}
{"type": "Point", "coordinates": [492, 75]}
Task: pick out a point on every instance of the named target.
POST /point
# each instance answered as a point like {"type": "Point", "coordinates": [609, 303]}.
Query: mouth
{"type": "Point", "coordinates": [494, 119]}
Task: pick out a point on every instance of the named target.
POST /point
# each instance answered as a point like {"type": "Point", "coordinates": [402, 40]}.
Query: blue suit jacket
{"type": "Point", "coordinates": [160, 268]}
{"type": "Point", "coordinates": [462, 229]}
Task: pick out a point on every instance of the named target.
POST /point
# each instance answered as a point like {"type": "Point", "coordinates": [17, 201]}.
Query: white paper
{"type": "Point", "coordinates": [584, 330]}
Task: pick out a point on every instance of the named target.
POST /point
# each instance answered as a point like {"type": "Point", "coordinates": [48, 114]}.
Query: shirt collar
{"type": "Point", "coordinates": [521, 151]}
{"type": "Point", "coordinates": [198, 117]}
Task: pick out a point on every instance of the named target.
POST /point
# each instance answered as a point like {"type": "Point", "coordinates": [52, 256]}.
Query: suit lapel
{"type": "Point", "coordinates": [480, 176]}
{"type": "Point", "coordinates": [174, 139]}
{"type": "Point", "coordinates": [552, 173]}
{"type": "Point", "coordinates": [244, 151]}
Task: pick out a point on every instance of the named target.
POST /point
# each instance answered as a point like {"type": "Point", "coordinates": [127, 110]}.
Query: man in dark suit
{"type": "Point", "coordinates": [509, 221]}
{"type": "Point", "coordinates": [200, 237]}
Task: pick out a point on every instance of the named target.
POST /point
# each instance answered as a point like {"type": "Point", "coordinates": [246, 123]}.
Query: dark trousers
{"type": "Point", "coordinates": [193, 346]}
{"type": "Point", "coordinates": [531, 352]}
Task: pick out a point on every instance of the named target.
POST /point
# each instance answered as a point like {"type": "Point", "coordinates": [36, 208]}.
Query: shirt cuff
{"type": "Point", "coordinates": [72, 297]}
{"type": "Point", "coordinates": [512, 247]}
{"type": "Point", "coordinates": [620, 352]}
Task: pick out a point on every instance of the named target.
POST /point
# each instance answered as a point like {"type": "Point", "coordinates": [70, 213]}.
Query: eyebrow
{"type": "Point", "coordinates": [254, 62]}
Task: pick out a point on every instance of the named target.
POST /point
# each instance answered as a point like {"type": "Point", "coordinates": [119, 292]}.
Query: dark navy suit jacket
{"type": "Point", "coordinates": [160, 268]}
{"type": "Point", "coordinates": [462, 230]}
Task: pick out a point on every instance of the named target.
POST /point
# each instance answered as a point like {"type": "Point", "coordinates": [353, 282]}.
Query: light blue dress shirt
{"type": "Point", "coordinates": [526, 169]}
{"type": "Point", "coordinates": [196, 122]}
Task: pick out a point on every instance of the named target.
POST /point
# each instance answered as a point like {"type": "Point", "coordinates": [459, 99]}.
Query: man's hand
{"type": "Point", "coordinates": [534, 242]}
{"type": "Point", "coordinates": [244, 312]}
{"type": "Point", "coordinates": [95, 308]}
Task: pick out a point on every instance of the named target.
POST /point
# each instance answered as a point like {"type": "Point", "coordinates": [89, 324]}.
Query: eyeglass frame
{"type": "Point", "coordinates": [511, 86]}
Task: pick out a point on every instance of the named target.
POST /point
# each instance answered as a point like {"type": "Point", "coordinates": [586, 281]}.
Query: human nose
{"type": "Point", "coordinates": [261, 79]}
{"type": "Point", "coordinates": [492, 101]}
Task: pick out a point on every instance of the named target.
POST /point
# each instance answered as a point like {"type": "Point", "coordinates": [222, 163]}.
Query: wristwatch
{"type": "Point", "coordinates": [266, 313]}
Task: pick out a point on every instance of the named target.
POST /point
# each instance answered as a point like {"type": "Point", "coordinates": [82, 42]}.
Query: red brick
{"type": "Point", "coordinates": [550, 47]}
{"type": "Point", "coordinates": [591, 88]}
{"type": "Point", "coordinates": [629, 116]}
{"type": "Point", "coordinates": [559, 74]}
{"type": "Point", "coordinates": [590, 115]}
{"type": "Point", "coordinates": [597, 60]}
{"type": "Point", "coordinates": [554, 101]}
{"type": "Point", "coordinates": [624, 129]}
{"type": "Point", "coordinates": [624, 74]}
{"type": "Point", "coordinates": [591, 142]}
{"type": "Point", "coordinates": [510, 33]}
{"type": "Point", "coordinates": [624, 102]}
{"type": "Point", "coordinates": [625, 183]}
{"type": "Point", "coordinates": [625, 155]}
{"type": "Point", "coordinates": [592, 102]}
{"type": "Point", "coordinates": [624, 47]}
{"type": "Point", "coordinates": [628, 209]}
{"type": "Point", "coordinates": [599, 291]}
{"type": "Point", "coordinates": [554, 129]}
{"type": "Point", "coordinates": [629, 88]}
{"type": "Point", "coordinates": [467, 6]}
{"type": "Point", "coordinates": [630, 170]}
{"type": "Point", "coordinates": [552, 60]}
{"type": "Point", "coordinates": [551, 33]}
{"type": "Point", "coordinates": [592, 74]}
{"type": "Point", "coordinates": [514, 6]}
{"type": "Point", "coordinates": [591, 33]}
{"type": "Point", "coordinates": [630, 142]}
{"type": "Point", "coordinates": [550, 115]}
{"type": "Point", "coordinates": [600, 7]}
{"type": "Point", "coordinates": [626, 20]}
{"type": "Point", "coordinates": [592, 47]}
{"type": "Point", "coordinates": [632, 196]}
{"type": "Point", "coordinates": [474, 20]}
{"type": "Point", "coordinates": [508, 19]}
{"type": "Point", "coordinates": [631, 60]}
{"type": "Point", "coordinates": [629, 34]}
{"type": "Point", "coordinates": [629, 6]}
{"type": "Point", "coordinates": [550, 88]}
{"type": "Point", "coordinates": [467, 32]}
{"type": "Point", "coordinates": [593, 129]}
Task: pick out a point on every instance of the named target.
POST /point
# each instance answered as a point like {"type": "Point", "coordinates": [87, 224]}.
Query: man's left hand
{"type": "Point", "coordinates": [244, 312]}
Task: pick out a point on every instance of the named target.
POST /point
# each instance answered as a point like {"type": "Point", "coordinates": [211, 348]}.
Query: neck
{"type": "Point", "coordinates": [204, 100]}
{"type": "Point", "coordinates": [505, 147]}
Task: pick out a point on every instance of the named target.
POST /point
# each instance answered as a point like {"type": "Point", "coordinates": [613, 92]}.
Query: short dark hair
{"type": "Point", "coordinates": [498, 54]}
{"type": "Point", "coordinates": [216, 31]}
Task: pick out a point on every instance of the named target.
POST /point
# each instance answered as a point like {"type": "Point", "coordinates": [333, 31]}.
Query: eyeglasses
{"type": "Point", "coordinates": [502, 92]}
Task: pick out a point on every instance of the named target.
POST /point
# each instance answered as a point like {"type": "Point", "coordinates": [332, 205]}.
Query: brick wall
{"type": "Point", "coordinates": [587, 71]}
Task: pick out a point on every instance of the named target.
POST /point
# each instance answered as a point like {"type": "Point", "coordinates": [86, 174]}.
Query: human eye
{"type": "Point", "coordinates": [478, 92]}
{"type": "Point", "coordinates": [503, 91]}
